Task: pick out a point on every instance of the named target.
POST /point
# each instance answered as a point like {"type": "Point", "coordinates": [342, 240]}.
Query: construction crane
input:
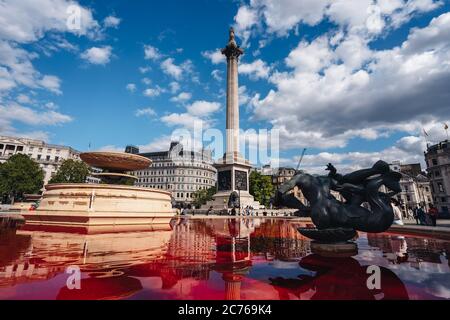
{"type": "Point", "coordinates": [301, 159]}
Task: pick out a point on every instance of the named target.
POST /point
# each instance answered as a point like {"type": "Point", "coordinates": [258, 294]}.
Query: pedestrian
{"type": "Point", "coordinates": [421, 216]}
{"type": "Point", "coordinates": [410, 214]}
{"type": "Point", "coordinates": [210, 210]}
{"type": "Point", "coordinates": [397, 213]}
{"type": "Point", "coordinates": [416, 215]}
{"type": "Point", "coordinates": [432, 214]}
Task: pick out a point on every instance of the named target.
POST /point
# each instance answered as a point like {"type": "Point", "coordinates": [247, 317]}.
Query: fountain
{"type": "Point", "coordinates": [114, 202]}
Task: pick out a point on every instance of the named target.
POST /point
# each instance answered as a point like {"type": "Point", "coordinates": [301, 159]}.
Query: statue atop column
{"type": "Point", "coordinates": [232, 50]}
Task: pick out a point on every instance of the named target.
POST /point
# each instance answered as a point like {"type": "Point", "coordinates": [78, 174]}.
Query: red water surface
{"type": "Point", "coordinates": [254, 258]}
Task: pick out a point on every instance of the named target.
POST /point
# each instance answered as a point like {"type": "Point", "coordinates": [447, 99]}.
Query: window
{"type": "Point", "coordinates": [443, 199]}
{"type": "Point", "coordinates": [56, 159]}
{"type": "Point", "coordinates": [434, 161]}
{"type": "Point", "coordinates": [440, 187]}
{"type": "Point", "coordinates": [47, 158]}
{"type": "Point", "coordinates": [38, 157]}
{"type": "Point", "coordinates": [19, 148]}
{"type": "Point", "coordinates": [2, 146]}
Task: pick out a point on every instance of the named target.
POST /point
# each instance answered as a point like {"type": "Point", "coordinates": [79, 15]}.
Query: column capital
{"type": "Point", "coordinates": [232, 50]}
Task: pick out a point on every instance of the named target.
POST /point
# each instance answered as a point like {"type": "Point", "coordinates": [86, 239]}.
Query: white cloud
{"type": "Point", "coordinates": [111, 22]}
{"type": "Point", "coordinates": [170, 68]}
{"type": "Point", "coordinates": [146, 81]}
{"type": "Point", "coordinates": [52, 83]}
{"type": "Point", "coordinates": [216, 74]}
{"type": "Point", "coordinates": [181, 119]}
{"type": "Point", "coordinates": [148, 112]}
{"type": "Point", "coordinates": [335, 91]}
{"type": "Point", "coordinates": [197, 114]}
{"type": "Point", "coordinates": [258, 69]}
{"type": "Point", "coordinates": [144, 69]}
{"type": "Point", "coordinates": [22, 98]}
{"type": "Point", "coordinates": [98, 55]}
{"type": "Point", "coordinates": [151, 53]}
{"type": "Point", "coordinates": [203, 108]}
{"type": "Point", "coordinates": [215, 56]}
{"type": "Point", "coordinates": [182, 97]}
{"type": "Point", "coordinates": [14, 112]}
{"type": "Point", "coordinates": [131, 87]}
{"type": "Point", "coordinates": [153, 92]}
{"type": "Point", "coordinates": [174, 87]}
{"type": "Point", "coordinates": [366, 16]}
{"type": "Point", "coordinates": [26, 21]}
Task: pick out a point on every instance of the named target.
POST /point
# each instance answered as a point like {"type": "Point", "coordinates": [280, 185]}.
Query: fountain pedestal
{"type": "Point", "coordinates": [104, 204]}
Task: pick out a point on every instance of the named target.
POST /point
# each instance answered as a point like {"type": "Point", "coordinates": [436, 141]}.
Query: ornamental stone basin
{"type": "Point", "coordinates": [115, 161]}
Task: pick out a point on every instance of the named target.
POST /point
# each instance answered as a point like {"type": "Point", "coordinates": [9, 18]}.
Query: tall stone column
{"type": "Point", "coordinates": [232, 52]}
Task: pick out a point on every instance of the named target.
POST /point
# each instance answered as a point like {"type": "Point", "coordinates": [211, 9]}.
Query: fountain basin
{"type": "Point", "coordinates": [101, 205]}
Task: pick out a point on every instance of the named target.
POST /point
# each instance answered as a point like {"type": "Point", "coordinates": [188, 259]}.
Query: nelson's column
{"type": "Point", "coordinates": [233, 168]}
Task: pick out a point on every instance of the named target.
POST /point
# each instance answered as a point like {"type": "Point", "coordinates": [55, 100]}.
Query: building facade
{"type": "Point", "coordinates": [48, 156]}
{"type": "Point", "coordinates": [178, 171]}
{"type": "Point", "coordinates": [415, 185]}
{"type": "Point", "coordinates": [437, 158]}
{"type": "Point", "coordinates": [279, 176]}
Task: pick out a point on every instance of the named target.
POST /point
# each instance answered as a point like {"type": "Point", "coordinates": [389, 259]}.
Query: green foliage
{"type": "Point", "coordinates": [20, 175]}
{"type": "Point", "coordinates": [261, 187]}
{"type": "Point", "coordinates": [71, 171]}
{"type": "Point", "coordinates": [201, 197]}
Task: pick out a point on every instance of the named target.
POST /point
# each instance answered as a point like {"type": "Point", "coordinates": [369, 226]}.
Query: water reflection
{"type": "Point", "coordinates": [216, 259]}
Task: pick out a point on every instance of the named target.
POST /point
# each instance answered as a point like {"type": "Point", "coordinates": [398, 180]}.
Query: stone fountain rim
{"type": "Point", "coordinates": [56, 186]}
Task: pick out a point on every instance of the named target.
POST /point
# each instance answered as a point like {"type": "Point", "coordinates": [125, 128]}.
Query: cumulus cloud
{"type": "Point", "coordinates": [131, 87]}
{"type": "Point", "coordinates": [182, 97]}
{"type": "Point", "coordinates": [330, 99]}
{"type": "Point", "coordinates": [147, 112]}
{"type": "Point", "coordinates": [98, 55]}
{"type": "Point", "coordinates": [366, 16]}
{"type": "Point", "coordinates": [153, 92]}
{"type": "Point", "coordinates": [203, 108]}
{"type": "Point", "coordinates": [26, 21]}
{"type": "Point", "coordinates": [217, 74]}
{"type": "Point", "coordinates": [215, 56]}
{"type": "Point", "coordinates": [15, 112]}
{"type": "Point", "coordinates": [258, 69]}
{"type": "Point", "coordinates": [151, 53]}
{"type": "Point", "coordinates": [174, 87]}
{"type": "Point", "coordinates": [177, 71]}
{"type": "Point", "coordinates": [197, 113]}
{"type": "Point", "coordinates": [111, 22]}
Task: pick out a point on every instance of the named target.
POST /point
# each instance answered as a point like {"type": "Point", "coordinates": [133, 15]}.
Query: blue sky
{"type": "Point", "coordinates": [351, 81]}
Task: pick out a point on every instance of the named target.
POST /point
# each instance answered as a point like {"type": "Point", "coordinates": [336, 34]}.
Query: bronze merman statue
{"type": "Point", "coordinates": [339, 220]}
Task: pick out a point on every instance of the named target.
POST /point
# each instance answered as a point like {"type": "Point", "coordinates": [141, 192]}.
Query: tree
{"type": "Point", "coordinates": [261, 187]}
{"type": "Point", "coordinates": [20, 175]}
{"type": "Point", "coordinates": [71, 171]}
{"type": "Point", "coordinates": [202, 196]}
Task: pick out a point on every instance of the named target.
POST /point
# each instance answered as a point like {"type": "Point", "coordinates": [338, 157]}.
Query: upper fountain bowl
{"type": "Point", "coordinates": [115, 161]}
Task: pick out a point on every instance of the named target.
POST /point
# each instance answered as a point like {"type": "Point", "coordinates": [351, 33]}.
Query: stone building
{"type": "Point", "coordinates": [416, 188]}
{"type": "Point", "coordinates": [48, 156]}
{"type": "Point", "coordinates": [178, 171]}
{"type": "Point", "coordinates": [437, 158]}
{"type": "Point", "coordinates": [279, 176]}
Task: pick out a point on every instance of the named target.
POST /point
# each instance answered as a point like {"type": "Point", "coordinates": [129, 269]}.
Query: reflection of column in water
{"type": "Point", "coordinates": [232, 286]}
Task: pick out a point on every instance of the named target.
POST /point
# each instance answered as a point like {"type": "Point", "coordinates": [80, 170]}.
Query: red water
{"type": "Point", "coordinates": [217, 259]}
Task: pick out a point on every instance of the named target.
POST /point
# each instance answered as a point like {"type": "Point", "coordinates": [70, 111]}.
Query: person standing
{"type": "Point", "coordinates": [416, 215]}
{"type": "Point", "coordinates": [432, 214]}
{"type": "Point", "coordinates": [397, 213]}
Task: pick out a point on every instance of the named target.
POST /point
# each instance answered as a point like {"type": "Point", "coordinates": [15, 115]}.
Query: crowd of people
{"type": "Point", "coordinates": [422, 216]}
